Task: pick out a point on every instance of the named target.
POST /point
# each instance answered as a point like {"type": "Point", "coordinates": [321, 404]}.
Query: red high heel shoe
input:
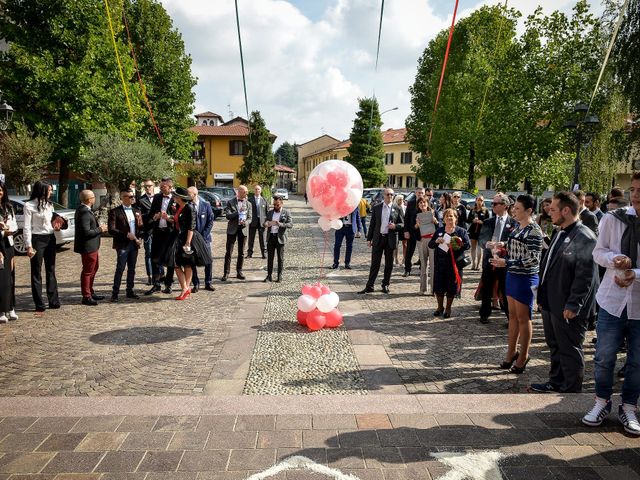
{"type": "Point", "coordinates": [184, 295]}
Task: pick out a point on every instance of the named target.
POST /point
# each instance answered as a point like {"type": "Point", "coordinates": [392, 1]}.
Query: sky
{"type": "Point", "coordinates": [308, 61]}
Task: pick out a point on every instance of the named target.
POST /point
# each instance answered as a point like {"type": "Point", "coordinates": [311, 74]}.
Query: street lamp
{"type": "Point", "coordinates": [583, 122]}
{"type": "Point", "coordinates": [390, 110]}
{"type": "Point", "coordinates": [6, 114]}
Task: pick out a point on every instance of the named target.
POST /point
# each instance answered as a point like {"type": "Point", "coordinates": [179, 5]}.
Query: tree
{"type": "Point", "coordinates": [196, 173]}
{"type": "Point", "coordinates": [259, 162]}
{"type": "Point", "coordinates": [25, 158]}
{"type": "Point", "coordinates": [165, 70]}
{"type": "Point", "coordinates": [117, 161]}
{"type": "Point", "coordinates": [286, 154]}
{"type": "Point", "coordinates": [61, 72]}
{"type": "Point", "coordinates": [625, 54]}
{"type": "Point", "coordinates": [366, 151]}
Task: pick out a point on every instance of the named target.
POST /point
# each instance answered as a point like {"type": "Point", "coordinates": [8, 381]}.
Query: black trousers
{"type": "Point", "coordinates": [489, 276]}
{"type": "Point", "coordinates": [252, 238]}
{"type": "Point", "coordinates": [161, 242]}
{"type": "Point", "coordinates": [274, 247]}
{"type": "Point", "coordinates": [383, 247]}
{"type": "Point", "coordinates": [565, 344]}
{"type": "Point", "coordinates": [45, 248]}
{"type": "Point", "coordinates": [411, 248]}
{"type": "Point", "coordinates": [231, 241]}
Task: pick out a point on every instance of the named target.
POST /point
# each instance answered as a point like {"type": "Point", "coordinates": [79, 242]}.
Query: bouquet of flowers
{"type": "Point", "coordinates": [455, 243]}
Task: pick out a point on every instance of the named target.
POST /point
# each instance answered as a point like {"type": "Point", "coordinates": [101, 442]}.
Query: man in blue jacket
{"type": "Point", "coordinates": [351, 224]}
{"type": "Point", "coordinates": [204, 224]}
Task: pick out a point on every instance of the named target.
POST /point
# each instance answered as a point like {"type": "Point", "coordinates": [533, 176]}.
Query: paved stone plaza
{"type": "Point", "coordinates": [227, 384]}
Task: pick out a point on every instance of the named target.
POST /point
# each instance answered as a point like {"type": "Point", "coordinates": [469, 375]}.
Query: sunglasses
{"type": "Point", "coordinates": [149, 186]}
{"type": "Point", "coordinates": [498, 203]}
{"type": "Point", "coordinates": [388, 194]}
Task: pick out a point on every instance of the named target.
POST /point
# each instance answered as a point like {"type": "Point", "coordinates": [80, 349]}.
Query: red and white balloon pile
{"type": "Point", "coordinates": [334, 190]}
{"type": "Point", "coordinates": [318, 307]}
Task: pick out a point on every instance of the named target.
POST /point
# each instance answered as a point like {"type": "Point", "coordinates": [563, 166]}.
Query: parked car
{"type": "Point", "coordinates": [370, 193]}
{"type": "Point", "coordinates": [281, 192]}
{"type": "Point", "coordinates": [215, 201]}
{"type": "Point", "coordinates": [467, 199]}
{"type": "Point", "coordinates": [225, 193]}
{"type": "Point", "coordinates": [62, 236]}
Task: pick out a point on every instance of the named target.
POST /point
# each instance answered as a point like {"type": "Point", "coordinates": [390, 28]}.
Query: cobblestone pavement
{"type": "Point", "coordinates": [541, 441]}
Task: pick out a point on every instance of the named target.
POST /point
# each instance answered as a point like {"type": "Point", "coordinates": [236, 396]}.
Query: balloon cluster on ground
{"type": "Point", "coordinates": [317, 307]}
{"type": "Point", "coordinates": [334, 189]}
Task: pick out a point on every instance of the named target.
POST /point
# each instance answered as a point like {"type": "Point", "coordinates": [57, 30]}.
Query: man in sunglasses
{"type": "Point", "coordinates": [144, 203]}
{"type": "Point", "coordinates": [386, 220]}
{"type": "Point", "coordinates": [494, 233]}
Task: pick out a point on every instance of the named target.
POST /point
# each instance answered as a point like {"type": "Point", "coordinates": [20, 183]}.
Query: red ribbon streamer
{"type": "Point", "coordinates": [444, 67]}
{"type": "Point", "coordinates": [455, 271]}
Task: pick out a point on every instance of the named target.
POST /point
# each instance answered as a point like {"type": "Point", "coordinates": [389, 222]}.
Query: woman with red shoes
{"type": "Point", "coordinates": [189, 250]}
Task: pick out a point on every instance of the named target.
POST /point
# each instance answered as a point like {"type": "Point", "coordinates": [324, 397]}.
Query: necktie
{"type": "Point", "coordinates": [497, 231]}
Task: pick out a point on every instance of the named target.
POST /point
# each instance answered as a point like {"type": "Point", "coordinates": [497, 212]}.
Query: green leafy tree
{"type": "Point", "coordinates": [117, 161]}
{"type": "Point", "coordinates": [625, 54]}
{"type": "Point", "coordinates": [287, 155]}
{"type": "Point", "coordinates": [165, 70]}
{"type": "Point", "coordinates": [196, 173]}
{"type": "Point", "coordinates": [366, 151]}
{"type": "Point", "coordinates": [259, 162]}
{"type": "Point", "coordinates": [61, 73]}
{"type": "Point", "coordinates": [25, 158]}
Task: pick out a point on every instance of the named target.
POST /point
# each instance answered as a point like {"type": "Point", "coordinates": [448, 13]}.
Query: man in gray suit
{"type": "Point", "coordinates": [238, 212]}
{"type": "Point", "coordinates": [566, 294]}
{"type": "Point", "coordinates": [259, 215]}
{"type": "Point", "coordinates": [277, 223]}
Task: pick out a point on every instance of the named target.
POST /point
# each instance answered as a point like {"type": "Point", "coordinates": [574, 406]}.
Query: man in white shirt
{"type": "Point", "coordinates": [618, 250]}
{"type": "Point", "coordinates": [278, 222]}
{"type": "Point", "coordinates": [258, 217]}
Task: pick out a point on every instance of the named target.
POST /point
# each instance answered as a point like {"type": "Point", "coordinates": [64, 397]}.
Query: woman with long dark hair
{"type": "Point", "coordinates": [478, 214]}
{"type": "Point", "coordinates": [40, 241]}
{"type": "Point", "coordinates": [444, 202]}
{"type": "Point", "coordinates": [8, 226]}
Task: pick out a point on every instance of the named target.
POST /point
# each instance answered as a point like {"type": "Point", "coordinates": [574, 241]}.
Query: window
{"type": "Point", "coordinates": [409, 182]}
{"type": "Point", "coordinates": [400, 181]}
{"type": "Point", "coordinates": [388, 158]}
{"type": "Point", "coordinates": [391, 181]}
{"type": "Point", "coordinates": [406, 157]}
{"type": "Point", "coordinates": [237, 147]}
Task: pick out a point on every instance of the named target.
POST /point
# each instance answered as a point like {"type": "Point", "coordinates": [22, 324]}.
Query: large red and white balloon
{"type": "Point", "coordinates": [334, 190]}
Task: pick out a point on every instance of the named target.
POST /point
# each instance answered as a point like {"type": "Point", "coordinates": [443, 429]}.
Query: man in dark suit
{"type": "Point", "coordinates": [144, 204]}
{"type": "Point", "coordinates": [87, 243]}
{"type": "Point", "coordinates": [587, 217]}
{"type": "Point", "coordinates": [239, 216]}
{"type": "Point", "coordinates": [127, 229]}
{"type": "Point", "coordinates": [592, 202]}
{"type": "Point", "coordinates": [566, 294]}
{"type": "Point", "coordinates": [351, 224]}
{"type": "Point", "coordinates": [382, 238]}
{"type": "Point", "coordinates": [277, 223]}
{"type": "Point", "coordinates": [204, 224]}
{"type": "Point", "coordinates": [161, 224]}
{"type": "Point", "coordinates": [411, 234]}
{"type": "Point", "coordinates": [494, 230]}
{"type": "Point", "coordinates": [258, 217]}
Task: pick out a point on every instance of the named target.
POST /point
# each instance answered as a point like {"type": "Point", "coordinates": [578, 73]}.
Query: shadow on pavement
{"type": "Point", "coordinates": [143, 335]}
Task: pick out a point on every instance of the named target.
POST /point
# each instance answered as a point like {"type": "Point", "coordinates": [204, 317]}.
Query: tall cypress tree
{"type": "Point", "coordinates": [259, 162]}
{"type": "Point", "coordinates": [366, 151]}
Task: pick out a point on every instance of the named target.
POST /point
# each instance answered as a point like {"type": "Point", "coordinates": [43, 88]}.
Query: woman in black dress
{"type": "Point", "coordinates": [448, 264]}
{"type": "Point", "coordinates": [8, 227]}
{"type": "Point", "coordinates": [189, 248]}
{"type": "Point", "coordinates": [478, 214]}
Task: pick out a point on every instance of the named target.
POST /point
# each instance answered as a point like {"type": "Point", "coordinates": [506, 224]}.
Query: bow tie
{"type": "Point", "coordinates": [127, 208]}
{"type": "Point", "coordinates": [167, 196]}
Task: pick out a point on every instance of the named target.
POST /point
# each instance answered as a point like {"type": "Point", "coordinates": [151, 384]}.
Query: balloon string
{"type": "Point", "coordinates": [324, 252]}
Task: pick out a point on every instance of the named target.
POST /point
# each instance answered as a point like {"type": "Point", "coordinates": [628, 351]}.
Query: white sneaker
{"type": "Point", "coordinates": [13, 315]}
{"type": "Point", "coordinates": [597, 414]}
{"type": "Point", "coordinates": [3, 318]}
{"type": "Point", "coordinates": [629, 419]}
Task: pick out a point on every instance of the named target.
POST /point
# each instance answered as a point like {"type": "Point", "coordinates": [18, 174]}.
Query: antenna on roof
{"type": "Point", "coordinates": [230, 112]}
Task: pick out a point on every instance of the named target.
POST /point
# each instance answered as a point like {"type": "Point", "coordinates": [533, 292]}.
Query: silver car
{"type": "Point", "coordinates": [282, 193]}
{"type": "Point", "coordinates": [62, 236]}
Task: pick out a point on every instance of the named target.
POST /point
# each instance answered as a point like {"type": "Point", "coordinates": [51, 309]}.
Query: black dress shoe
{"type": "Point", "coordinates": [484, 320]}
{"type": "Point", "coordinates": [152, 290]}
{"type": "Point", "coordinates": [347, 267]}
{"type": "Point", "coordinates": [114, 299]}
{"type": "Point", "coordinates": [447, 314]}
{"type": "Point", "coordinates": [334, 266]}
{"type": "Point", "coordinates": [438, 312]}
{"type": "Point", "coordinates": [224, 278]}
{"type": "Point", "coordinates": [268, 279]}
{"type": "Point", "coordinates": [406, 274]}
{"type": "Point", "coordinates": [89, 301]}
{"type": "Point", "coordinates": [40, 309]}
{"type": "Point", "coordinates": [365, 290]}
{"type": "Point", "coordinates": [195, 289]}
{"type": "Point", "coordinates": [385, 289]}
{"type": "Point", "coordinates": [167, 290]}
{"type": "Point", "coordinates": [278, 279]}
{"type": "Point", "coordinates": [209, 288]}
{"type": "Point", "coordinates": [54, 306]}
{"type": "Point", "coordinates": [133, 295]}
{"type": "Point", "coordinates": [240, 276]}
{"type": "Point", "coordinates": [97, 298]}
{"type": "Point", "coordinates": [149, 281]}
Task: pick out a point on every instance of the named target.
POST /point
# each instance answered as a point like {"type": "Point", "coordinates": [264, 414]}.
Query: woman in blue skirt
{"type": "Point", "coordinates": [523, 250]}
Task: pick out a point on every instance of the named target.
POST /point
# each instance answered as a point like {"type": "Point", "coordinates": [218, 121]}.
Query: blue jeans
{"type": "Point", "coordinates": [208, 272]}
{"type": "Point", "coordinates": [345, 232]}
{"type": "Point", "coordinates": [611, 331]}
{"type": "Point", "coordinates": [127, 257]}
{"type": "Point", "coordinates": [364, 225]}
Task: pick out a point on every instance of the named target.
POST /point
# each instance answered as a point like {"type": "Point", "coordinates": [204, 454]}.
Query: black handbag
{"type": "Point", "coordinates": [465, 261]}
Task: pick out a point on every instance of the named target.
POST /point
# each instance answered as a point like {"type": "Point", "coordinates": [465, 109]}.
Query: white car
{"type": "Point", "coordinates": [62, 236]}
{"type": "Point", "coordinates": [281, 192]}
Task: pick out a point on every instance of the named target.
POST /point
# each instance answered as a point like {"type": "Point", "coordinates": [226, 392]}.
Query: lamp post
{"type": "Point", "coordinates": [6, 113]}
{"type": "Point", "coordinates": [583, 122]}
{"type": "Point", "coordinates": [389, 110]}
